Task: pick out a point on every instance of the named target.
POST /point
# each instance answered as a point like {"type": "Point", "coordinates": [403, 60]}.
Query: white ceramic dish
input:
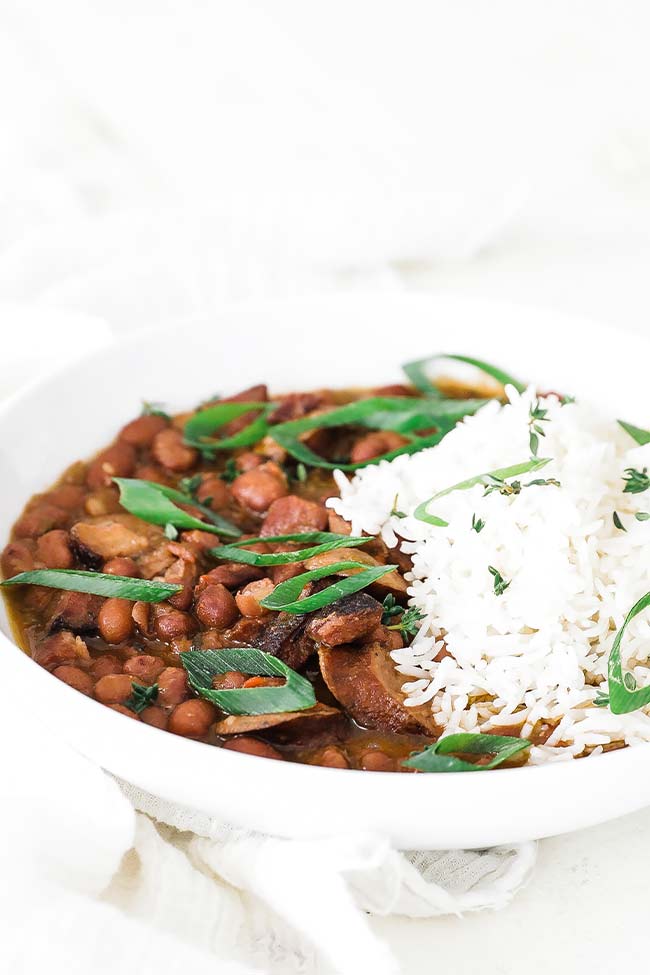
{"type": "Point", "coordinates": [302, 344]}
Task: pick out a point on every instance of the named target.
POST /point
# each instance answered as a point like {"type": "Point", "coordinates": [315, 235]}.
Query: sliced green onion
{"type": "Point", "coordinates": [440, 757]}
{"type": "Point", "coordinates": [285, 597]}
{"type": "Point", "coordinates": [637, 433]}
{"type": "Point", "coordinates": [233, 553]}
{"type": "Point", "coordinates": [297, 694]}
{"type": "Point", "coordinates": [624, 698]}
{"type": "Point", "coordinates": [96, 583]}
{"type": "Point", "coordinates": [154, 503]}
{"type": "Point", "coordinates": [501, 473]}
{"type": "Point", "coordinates": [198, 428]}
{"type": "Point", "coordinates": [416, 372]}
{"type": "Point", "coordinates": [400, 414]}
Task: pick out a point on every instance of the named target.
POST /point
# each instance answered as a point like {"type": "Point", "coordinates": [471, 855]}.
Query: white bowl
{"type": "Point", "coordinates": [338, 341]}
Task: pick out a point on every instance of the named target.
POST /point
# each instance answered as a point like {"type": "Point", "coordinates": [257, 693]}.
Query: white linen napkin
{"type": "Point", "coordinates": [102, 866]}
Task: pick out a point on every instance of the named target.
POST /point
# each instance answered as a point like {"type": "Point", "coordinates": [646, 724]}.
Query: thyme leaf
{"type": "Point", "coordinates": [636, 481]}
{"type": "Point", "coordinates": [500, 584]}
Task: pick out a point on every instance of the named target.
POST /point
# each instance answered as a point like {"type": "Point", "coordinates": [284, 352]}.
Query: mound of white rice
{"type": "Point", "coordinates": [539, 650]}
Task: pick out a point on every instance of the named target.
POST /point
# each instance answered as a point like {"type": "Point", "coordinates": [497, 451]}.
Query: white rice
{"type": "Point", "coordinates": [538, 651]}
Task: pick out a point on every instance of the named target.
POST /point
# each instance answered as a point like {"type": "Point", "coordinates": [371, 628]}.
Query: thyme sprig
{"type": "Point", "coordinates": [409, 624]}
{"type": "Point", "coordinates": [636, 481]}
{"type": "Point", "coordinates": [141, 697]}
{"type": "Point", "coordinates": [536, 416]}
{"type": "Point", "coordinates": [500, 584]}
{"type": "Point", "coordinates": [478, 524]}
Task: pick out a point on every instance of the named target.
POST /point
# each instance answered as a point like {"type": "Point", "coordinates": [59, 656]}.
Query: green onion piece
{"type": "Point", "coordinates": [285, 597]}
{"type": "Point", "coordinates": [96, 583]}
{"type": "Point", "coordinates": [440, 758]}
{"type": "Point", "coordinates": [501, 473]}
{"type": "Point", "coordinates": [400, 414]}
{"type": "Point", "coordinates": [641, 436]}
{"type": "Point", "coordinates": [154, 503]}
{"type": "Point", "coordinates": [416, 373]}
{"type": "Point", "coordinates": [297, 694]}
{"type": "Point", "coordinates": [624, 698]}
{"type": "Point", "coordinates": [198, 428]}
{"type": "Point", "coordinates": [233, 553]}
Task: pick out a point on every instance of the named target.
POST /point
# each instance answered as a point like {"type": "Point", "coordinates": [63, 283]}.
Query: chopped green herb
{"type": "Point", "coordinates": [637, 433]}
{"type": "Point", "coordinates": [96, 583]}
{"type": "Point", "coordinates": [141, 697]}
{"type": "Point", "coordinates": [395, 512]}
{"type": "Point", "coordinates": [390, 608]}
{"type": "Point", "coordinates": [416, 373]}
{"type": "Point", "coordinates": [154, 409]}
{"type": "Point", "coordinates": [478, 524]}
{"type": "Point", "coordinates": [190, 485]}
{"type": "Point", "coordinates": [286, 596]}
{"type": "Point", "coordinates": [636, 481]}
{"type": "Point", "coordinates": [566, 400]}
{"type": "Point", "coordinates": [154, 503]}
{"type": "Point", "coordinates": [536, 416]}
{"type": "Point", "coordinates": [618, 523]}
{"type": "Point", "coordinates": [301, 472]}
{"type": "Point", "coordinates": [642, 516]}
{"type": "Point", "coordinates": [441, 756]}
{"type": "Point", "coordinates": [171, 532]}
{"type": "Point", "coordinates": [624, 696]}
{"type": "Point", "coordinates": [229, 472]}
{"type": "Point", "coordinates": [297, 694]}
{"type": "Point", "coordinates": [500, 584]}
{"type": "Point", "coordinates": [601, 700]}
{"type": "Point", "coordinates": [409, 623]}
{"type": "Point", "coordinates": [494, 480]}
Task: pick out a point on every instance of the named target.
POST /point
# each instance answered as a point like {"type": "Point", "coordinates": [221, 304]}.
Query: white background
{"type": "Point", "coordinates": [158, 157]}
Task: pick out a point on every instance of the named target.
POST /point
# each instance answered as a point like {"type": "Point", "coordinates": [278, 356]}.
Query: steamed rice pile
{"type": "Point", "coordinates": [537, 652]}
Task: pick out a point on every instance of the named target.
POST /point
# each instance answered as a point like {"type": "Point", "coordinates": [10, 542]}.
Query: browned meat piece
{"type": "Point", "coordinates": [182, 573]}
{"type": "Point", "coordinates": [294, 726]}
{"type": "Point", "coordinates": [364, 681]}
{"type": "Point", "coordinates": [39, 519]}
{"type": "Point", "coordinates": [171, 452]}
{"type": "Point", "coordinates": [114, 535]}
{"type": "Point", "coordinates": [232, 575]}
{"type": "Point", "coordinates": [249, 598]}
{"type": "Point", "coordinates": [141, 431]}
{"type": "Point", "coordinates": [156, 562]}
{"type": "Point", "coordinates": [285, 638]}
{"type": "Point", "coordinates": [293, 514]}
{"type": "Point", "coordinates": [53, 550]}
{"type": "Point", "coordinates": [75, 611]}
{"type": "Point", "coordinates": [66, 496]}
{"type": "Point", "coordinates": [338, 524]}
{"type": "Point", "coordinates": [116, 461]}
{"type": "Point", "coordinates": [259, 488]}
{"type": "Point", "coordinates": [254, 394]}
{"type": "Point", "coordinates": [61, 648]}
{"type": "Point", "coordinates": [345, 620]}
{"type": "Point", "coordinates": [296, 405]}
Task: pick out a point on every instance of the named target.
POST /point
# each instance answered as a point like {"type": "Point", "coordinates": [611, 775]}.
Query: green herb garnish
{"type": "Point", "coordinates": [477, 524]}
{"type": "Point", "coordinates": [440, 757]}
{"type": "Point", "coordinates": [636, 481]}
{"type": "Point", "coordinates": [286, 596]}
{"type": "Point", "coordinates": [229, 472]}
{"type": "Point", "coordinates": [141, 697]}
{"type": "Point", "coordinates": [536, 416]}
{"type": "Point", "coordinates": [400, 414]}
{"type": "Point", "coordinates": [409, 623]}
{"type": "Point", "coordinates": [642, 516]}
{"type": "Point", "coordinates": [199, 427]}
{"type": "Point", "coordinates": [190, 485]}
{"type": "Point", "coordinates": [297, 694]}
{"type": "Point", "coordinates": [623, 693]}
{"type": "Point", "coordinates": [617, 522]}
{"type": "Point", "coordinates": [96, 583]}
{"type": "Point", "coordinates": [155, 503]}
{"type": "Point", "coordinates": [493, 480]}
{"type": "Point", "coordinates": [416, 372]}
{"type": "Point", "coordinates": [154, 409]}
{"type": "Point", "coordinates": [500, 584]}
{"type": "Point", "coordinates": [637, 433]}
{"type": "Point", "coordinates": [328, 541]}
{"type": "Point", "coordinates": [301, 473]}
{"type": "Point", "coordinates": [390, 608]}
{"type": "Point", "coordinates": [395, 512]}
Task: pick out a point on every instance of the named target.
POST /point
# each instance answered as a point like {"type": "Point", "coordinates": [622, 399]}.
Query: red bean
{"type": "Point", "coordinates": [116, 461]}
{"type": "Point", "coordinates": [141, 431]}
{"type": "Point", "coordinates": [251, 746]}
{"type": "Point", "coordinates": [249, 460]}
{"type": "Point", "coordinates": [106, 664]}
{"type": "Point", "coordinates": [18, 557]}
{"type": "Point", "coordinates": [172, 686]}
{"type": "Point", "coordinates": [53, 550]}
{"type": "Point", "coordinates": [294, 514]}
{"type": "Point", "coordinates": [215, 491]}
{"type": "Point", "coordinates": [374, 760]}
{"type": "Point", "coordinates": [331, 757]}
{"type": "Point", "coordinates": [257, 489]}
{"type": "Point", "coordinates": [68, 496]}
{"type": "Point", "coordinates": [192, 718]}
{"type": "Point", "coordinates": [172, 624]}
{"type": "Point", "coordinates": [144, 668]}
{"type": "Point", "coordinates": [249, 598]}
{"type": "Point", "coordinates": [127, 712]}
{"type": "Point", "coordinates": [121, 566]}
{"type": "Point", "coordinates": [171, 452]}
{"type": "Point", "coordinates": [113, 688]}
{"type": "Point", "coordinates": [40, 519]}
{"type": "Point", "coordinates": [75, 678]}
{"type": "Point", "coordinates": [115, 620]}
{"type": "Point", "coordinates": [154, 716]}
{"type": "Point", "coordinates": [216, 607]}
{"type": "Point", "coordinates": [374, 444]}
